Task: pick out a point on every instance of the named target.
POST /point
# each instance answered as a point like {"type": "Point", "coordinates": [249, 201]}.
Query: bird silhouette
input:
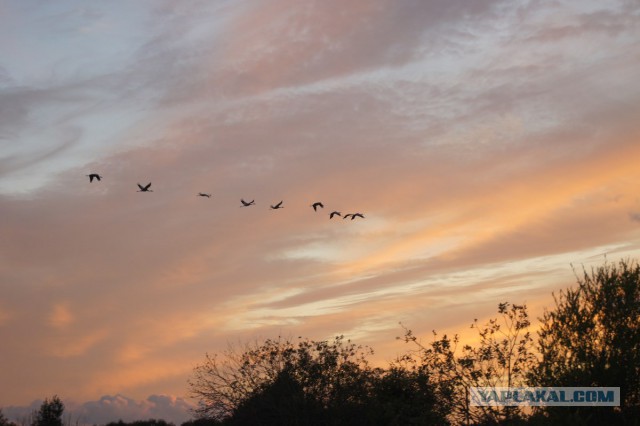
{"type": "Point", "coordinates": [354, 215]}
{"type": "Point", "coordinates": [202, 194]}
{"type": "Point", "coordinates": [94, 176]}
{"type": "Point", "coordinates": [145, 188]}
{"type": "Point", "coordinates": [334, 213]}
{"type": "Point", "coordinates": [247, 203]}
{"type": "Point", "coordinates": [277, 206]}
{"type": "Point", "coordinates": [316, 205]}
{"type": "Point", "coordinates": [347, 215]}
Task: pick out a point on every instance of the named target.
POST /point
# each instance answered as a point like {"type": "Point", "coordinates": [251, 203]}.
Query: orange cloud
{"type": "Point", "coordinates": [61, 316]}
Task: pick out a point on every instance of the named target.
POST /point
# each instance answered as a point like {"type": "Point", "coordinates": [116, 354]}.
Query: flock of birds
{"type": "Point", "coordinates": [316, 205]}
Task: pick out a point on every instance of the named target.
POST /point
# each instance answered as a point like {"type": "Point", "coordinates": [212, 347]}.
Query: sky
{"type": "Point", "coordinates": [492, 147]}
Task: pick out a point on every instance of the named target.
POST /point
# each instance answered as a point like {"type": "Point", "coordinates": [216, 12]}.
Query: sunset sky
{"type": "Point", "coordinates": [489, 144]}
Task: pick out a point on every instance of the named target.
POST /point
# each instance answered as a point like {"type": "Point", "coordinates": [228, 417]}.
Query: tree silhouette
{"type": "Point", "coordinates": [282, 402]}
{"type": "Point", "coordinates": [503, 357]}
{"type": "Point", "coordinates": [322, 369]}
{"type": "Point", "coordinates": [592, 338]}
{"type": "Point", "coordinates": [405, 397]}
{"type": "Point", "coordinates": [50, 413]}
{"type": "Point", "coordinates": [310, 383]}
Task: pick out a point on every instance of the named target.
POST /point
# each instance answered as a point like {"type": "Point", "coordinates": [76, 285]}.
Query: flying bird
{"type": "Point", "coordinates": [247, 203]}
{"type": "Point", "coordinates": [277, 206]}
{"type": "Point", "coordinates": [145, 188]}
{"type": "Point", "coordinates": [316, 205]}
{"type": "Point", "coordinates": [202, 194]}
{"type": "Point", "coordinates": [353, 215]}
{"type": "Point", "coordinates": [334, 213]}
{"type": "Point", "coordinates": [94, 176]}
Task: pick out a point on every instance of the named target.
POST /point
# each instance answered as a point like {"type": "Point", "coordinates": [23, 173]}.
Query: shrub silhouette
{"type": "Point", "coordinates": [592, 338]}
{"type": "Point", "coordinates": [309, 383]}
{"type": "Point", "coordinates": [50, 413]}
{"type": "Point", "coordinates": [503, 357]}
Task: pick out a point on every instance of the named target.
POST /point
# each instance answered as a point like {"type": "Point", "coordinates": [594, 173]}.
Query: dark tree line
{"type": "Point", "coordinates": [590, 337]}
{"type": "Point", "coordinates": [280, 382]}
